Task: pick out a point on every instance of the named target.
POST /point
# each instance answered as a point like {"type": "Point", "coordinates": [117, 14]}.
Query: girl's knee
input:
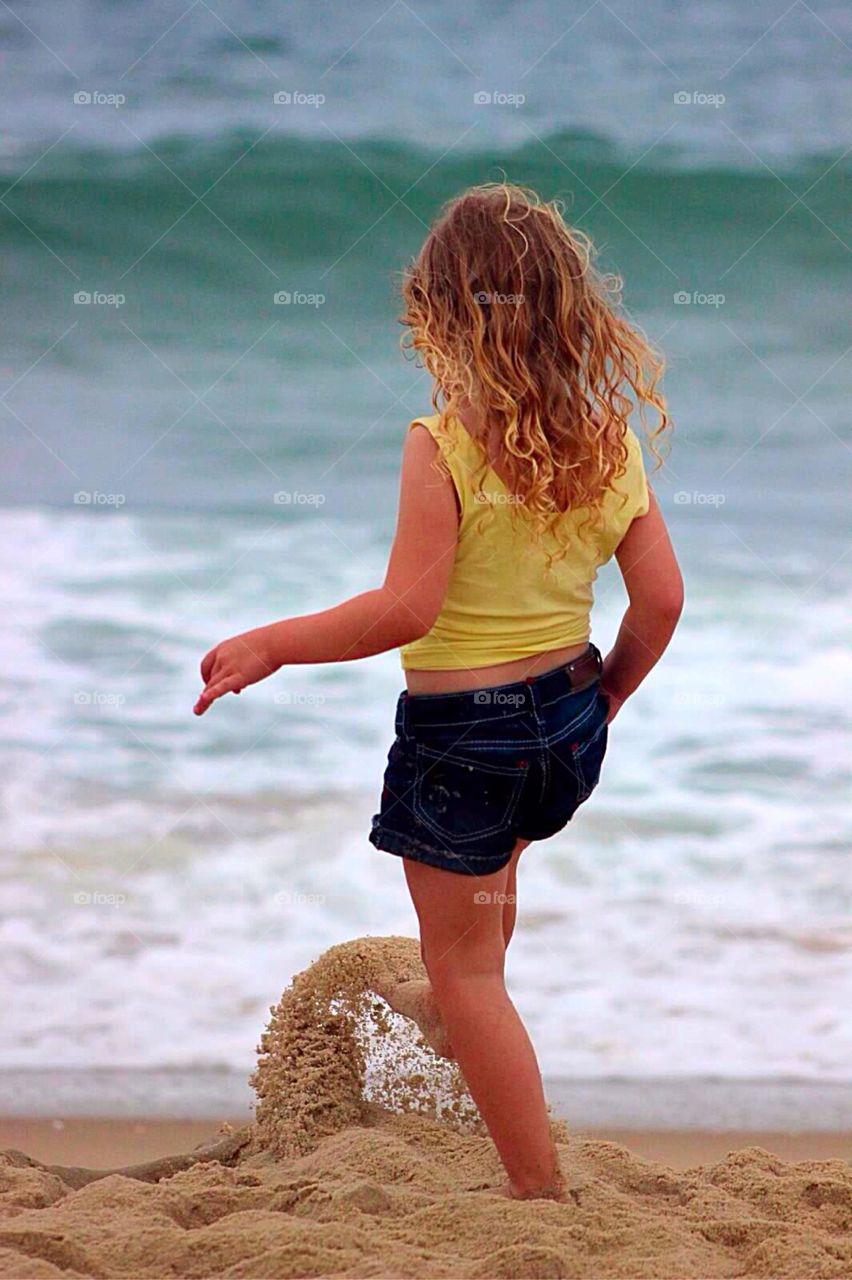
{"type": "Point", "coordinates": [448, 968]}
{"type": "Point", "coordinates": [427, 954]}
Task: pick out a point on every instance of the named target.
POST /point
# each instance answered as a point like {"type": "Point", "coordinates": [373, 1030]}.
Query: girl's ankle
{"type": "Point", "coordinates": [553, 1189]}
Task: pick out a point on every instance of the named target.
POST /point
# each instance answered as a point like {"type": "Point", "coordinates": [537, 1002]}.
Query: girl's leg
{"type": "Point", "coordinates": [510, 907]}
{"type": "Point", "coordinates": [461, 931]}
{"type": "Point", "coordinates": [416, 1000]}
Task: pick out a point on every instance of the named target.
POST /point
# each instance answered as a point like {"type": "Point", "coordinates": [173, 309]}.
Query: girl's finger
{"type": "Point", "coordinates": [216, 690]}
{"type": "Point", "coordinates": [207, 664]}
{"type": "Point", "coordinates": [203, 701]}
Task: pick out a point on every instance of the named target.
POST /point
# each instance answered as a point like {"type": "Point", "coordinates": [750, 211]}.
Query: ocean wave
{"type": "Point", "coordinates": [300, 198]}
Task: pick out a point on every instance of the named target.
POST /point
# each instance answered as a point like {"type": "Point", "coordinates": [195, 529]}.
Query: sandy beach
{"type": "Point", "coordinates": [107, 1142]}
{"type": "Point", "coordinates": [364, 1159]}
{"type": "Point", "coordinates": [209, 216]}
{"type": "Point", "coordinates": [407, 1196]}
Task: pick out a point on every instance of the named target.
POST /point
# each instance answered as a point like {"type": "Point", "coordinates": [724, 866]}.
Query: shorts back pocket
{"type": "Point", "coordinates": [464, 798]}
{"type": "Point", "coordinates": [588, 761]}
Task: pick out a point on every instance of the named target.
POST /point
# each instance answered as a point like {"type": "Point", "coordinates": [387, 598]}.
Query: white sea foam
{"type": "Point", "coordinates": [694, 916]}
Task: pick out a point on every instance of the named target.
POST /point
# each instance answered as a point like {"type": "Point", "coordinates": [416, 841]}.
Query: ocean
{"type": "Point", "coordinates": [206, 209]}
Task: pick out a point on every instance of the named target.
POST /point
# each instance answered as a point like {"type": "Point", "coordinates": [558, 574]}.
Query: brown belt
{"type": "Point", "coordinates": [581, 672]}
{"type": "Point", "coordinates": [586, 669]}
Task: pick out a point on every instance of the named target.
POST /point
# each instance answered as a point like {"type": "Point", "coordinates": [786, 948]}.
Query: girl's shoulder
{"type": "Point", "coordinates": [427, 420]}
{"type": "Point", "coordinates": [633, 476]}
{"type": "Point", "coordinates": [455, 442]}
{"type": "Point", "coordinates": [430, 421]}
{"type": "Point", "coordinates": [627, 497]}
{"type": "Point", "coordinates": [454, 439]}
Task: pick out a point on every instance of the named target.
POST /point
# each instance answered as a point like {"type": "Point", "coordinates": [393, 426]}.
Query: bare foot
{"type": "Point", "coordinates": [553, 1191]}
{"type": "Point", "coordinates": [415, 1000]}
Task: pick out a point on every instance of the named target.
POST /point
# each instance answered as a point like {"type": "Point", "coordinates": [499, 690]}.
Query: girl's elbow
{"type": "Point", "coordinates": [408, 615]}
{"type": "Point", "coordinates": [671, 605]}
{"type": "Point", "coordinates": [660, 606]}
{"type": "Point", "coordinates": [415, 629]}
{"type": "Point", "coordinates": [673, 615]}
{"type": "Point", "coordinates": [409, 622]}
{"type": "Point", "coordinates": [669, 596]}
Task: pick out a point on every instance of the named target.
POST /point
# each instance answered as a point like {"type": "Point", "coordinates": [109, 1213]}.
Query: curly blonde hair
{"type": "Point", "coordinates": [504, 307]}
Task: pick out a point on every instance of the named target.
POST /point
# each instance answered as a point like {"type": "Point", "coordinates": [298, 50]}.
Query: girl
{"type": "Point", "coordinates": [523, 482]}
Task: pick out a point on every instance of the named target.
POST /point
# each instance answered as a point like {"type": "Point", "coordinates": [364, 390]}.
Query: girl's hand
{"type": "Point", "coordinates": [230, 666]}
{"type": "Point", "coordinates": [615, 704]}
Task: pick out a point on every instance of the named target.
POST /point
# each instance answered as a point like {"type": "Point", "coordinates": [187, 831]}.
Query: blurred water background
{"type": "Point", "coordinates": [211, 441]}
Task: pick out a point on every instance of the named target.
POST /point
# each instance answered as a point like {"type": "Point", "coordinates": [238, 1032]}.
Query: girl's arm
{"type": "Point", "coordinates": [403, 608]}
{"type": "Point", "coordinates": [655, 591]}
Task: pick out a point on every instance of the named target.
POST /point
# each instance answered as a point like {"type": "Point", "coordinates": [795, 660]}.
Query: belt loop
{"type": "Point", "coordinates": [402, 714]}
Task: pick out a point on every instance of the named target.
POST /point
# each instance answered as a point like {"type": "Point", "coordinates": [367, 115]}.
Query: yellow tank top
{"type": "Point", "coordinates": [501, 602]}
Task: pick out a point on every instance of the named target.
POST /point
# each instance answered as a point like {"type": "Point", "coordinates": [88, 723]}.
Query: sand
{"type": "Point", "coordinates": [345, 1173]}
{"type": "Point", "coordinates": [105, 1142]}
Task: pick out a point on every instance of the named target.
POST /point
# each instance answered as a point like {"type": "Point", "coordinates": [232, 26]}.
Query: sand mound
{"type": "Point", "coordinates": [330, 1026]}
{"type": "Point", "coordinates": [401, 1196]}
{"type": "Point", "coordinates": [329, 1183]}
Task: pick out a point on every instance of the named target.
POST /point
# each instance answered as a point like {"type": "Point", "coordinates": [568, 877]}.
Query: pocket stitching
{"type": "Point", "coordinates": [520, 771]}
{"type": "Point", "coordinates": [578, 752]}
{"type": "Point", "coordinates": [433, 753]}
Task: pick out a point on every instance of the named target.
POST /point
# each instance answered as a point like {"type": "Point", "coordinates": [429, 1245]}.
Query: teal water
{"type": "Point", "coordinates": [185, 457]}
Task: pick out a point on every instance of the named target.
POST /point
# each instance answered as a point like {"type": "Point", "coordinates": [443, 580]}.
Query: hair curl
{"type": "Point", "coordinates": [504, 307]}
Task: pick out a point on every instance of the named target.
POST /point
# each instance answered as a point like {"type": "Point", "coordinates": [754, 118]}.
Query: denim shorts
{"type": "Point", "coordinates": [470, 773]}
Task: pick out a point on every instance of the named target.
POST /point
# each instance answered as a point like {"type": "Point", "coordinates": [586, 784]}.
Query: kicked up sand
{"type": "Point", "coordinates": [366, 1158]}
